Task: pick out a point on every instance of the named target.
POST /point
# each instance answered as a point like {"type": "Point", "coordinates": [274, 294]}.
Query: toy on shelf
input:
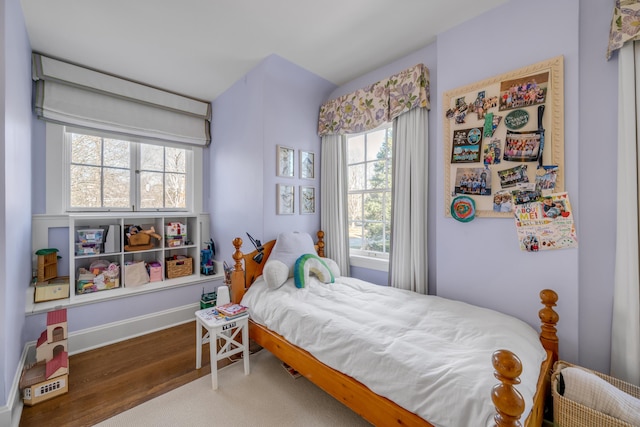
{"type": "Point", "coordinates": [47, 264]}
{"type": "Point", "coordinates": [49, 375]}
{"type": "Point", "coordinates": [175, 235]}
{"type": "Point", "coordinates": [100, 275]}
{"type": "Point", "coordinates": [207, 266]}
{"type": "Point", "coordinates": [140, 239]}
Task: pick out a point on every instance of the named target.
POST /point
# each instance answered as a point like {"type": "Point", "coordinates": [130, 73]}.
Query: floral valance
{"type": "Point", "coordinates": [625, 25]}
{"type": "Point", "coordinates": [374, 105]}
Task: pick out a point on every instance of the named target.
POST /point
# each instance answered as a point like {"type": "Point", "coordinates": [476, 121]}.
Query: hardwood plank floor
{"type": "Point", "coordinates": [111, 379]}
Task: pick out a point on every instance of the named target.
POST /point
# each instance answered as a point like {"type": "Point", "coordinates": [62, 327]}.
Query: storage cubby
{"type": "Point", "coordinates": [102, 244]}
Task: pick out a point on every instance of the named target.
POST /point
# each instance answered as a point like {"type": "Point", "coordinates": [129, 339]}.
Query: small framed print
{"type": "Point", "coordinates": [285, 159]}
{"type": "Point", "coordinates": [285, 199]}
{"type": "Point", "coordinates": [307, 165]}
{"type": "Point", "coordinates": [307, 200]}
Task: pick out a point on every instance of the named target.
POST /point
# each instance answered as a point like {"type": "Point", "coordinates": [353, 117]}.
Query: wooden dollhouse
{"type": "Point", "coordinates": [49, 375]}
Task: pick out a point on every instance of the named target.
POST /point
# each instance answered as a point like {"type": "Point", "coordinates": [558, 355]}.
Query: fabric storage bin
{"type": "Point", "coordinates": [568, 413]}
{"type": "Point", "coordinates": [155, 271]}
{"type": "Point", "coordinates": [182, 266]}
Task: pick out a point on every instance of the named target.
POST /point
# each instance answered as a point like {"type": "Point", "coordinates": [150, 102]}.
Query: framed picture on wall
{"type": "Point", "coordinates": [285, 161]}
{"type": "Point", "coordinates": [307, 200]}
{"type": "Point", "coordinates": [285, 202]}
{"type": "Point", "coordinates": [307, 165]}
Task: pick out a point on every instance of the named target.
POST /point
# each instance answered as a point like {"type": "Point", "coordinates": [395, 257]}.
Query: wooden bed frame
{"type": "Point", "coordinates": [377, 409]}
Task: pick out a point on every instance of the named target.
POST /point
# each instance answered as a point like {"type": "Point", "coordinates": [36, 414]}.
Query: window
{"type": "Point", "coordinates": [369, 197]}
{"type": "Point", "coordinates": [107, 173]}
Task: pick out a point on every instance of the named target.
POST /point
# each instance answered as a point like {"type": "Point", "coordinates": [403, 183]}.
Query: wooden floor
{"type": "Point", "coordinates": [109, 380]}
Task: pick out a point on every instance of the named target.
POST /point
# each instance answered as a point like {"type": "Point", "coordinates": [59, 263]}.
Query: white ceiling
{"type": "Point", "coordinates": [200, 48]}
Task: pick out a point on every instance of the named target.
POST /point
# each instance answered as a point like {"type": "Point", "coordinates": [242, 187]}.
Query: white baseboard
{"type": "Point", "coordinates": [92, 338]}
{"type": "Point", "coordinates": [10, 414]}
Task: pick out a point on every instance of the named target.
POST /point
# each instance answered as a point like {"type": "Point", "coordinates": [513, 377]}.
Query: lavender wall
{"type": "Point", "coordinates": [597, 107]}
{"type": "Point", "coordinates": [276, 103]}
{"type": "Point", "coordinates": [501, 272]}
{"type": "Point", "coordinates": [492, 44]}
{"type": "Point", "coordinates": [15, 181]}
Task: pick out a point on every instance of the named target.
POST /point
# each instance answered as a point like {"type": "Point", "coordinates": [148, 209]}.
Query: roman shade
{"type": "Point", "coordinates": [73, 95]}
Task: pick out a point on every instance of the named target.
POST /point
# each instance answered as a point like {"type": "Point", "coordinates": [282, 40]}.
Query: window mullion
{"type": "Point", "coordinates": [164, 176]}
{"type": "Point", "coordinates": [134, 197]}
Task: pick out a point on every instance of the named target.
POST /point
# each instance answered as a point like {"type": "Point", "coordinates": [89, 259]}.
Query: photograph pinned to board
{"type": "Point", "coordinates": [525, 193]}
{"type": "Point", "coordinates": [491, 123]}
{"type": "Point", "coordinates": [466, 145]}
{"type": "Point", "coordinates": [473, 181]}
{"type": "Point", "coordinates": [492, 150]}
{"type": "Point", "coordinates": [502, 202]}
{"type": "Point", "coordinates": [523, 91]}
{"type": "Point", "coordinates": [285, 199]}
{"type": "Point", "coordinates": [546, 178]}
{"type": "Point", "coordinates": [520, 116]}
{"type": "Point", "coordinates": [513, 176]}
{"type": "Point", "coordinates": [546, 224]}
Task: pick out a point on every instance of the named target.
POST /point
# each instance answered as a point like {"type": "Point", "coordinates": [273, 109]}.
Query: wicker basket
{"type": "Point", "coordinates": [567, 413]}
{"type": "Point", "coordinates": [179, 267]}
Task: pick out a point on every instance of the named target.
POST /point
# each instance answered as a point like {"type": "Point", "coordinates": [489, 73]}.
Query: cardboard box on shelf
{"type": "Point", "coordinates": [173, 229]}
{"type": "Point", "coordinates": [56, 288]}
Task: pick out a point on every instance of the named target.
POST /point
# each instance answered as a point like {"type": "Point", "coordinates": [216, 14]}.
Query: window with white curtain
{"type": "Point", "coordinates": [369, 192]}
{"type": "Point", "coordinates": [111, 173]}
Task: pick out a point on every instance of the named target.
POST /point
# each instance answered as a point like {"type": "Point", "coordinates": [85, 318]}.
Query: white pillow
{"type": "Point", "coordinates": [288, 248]}
{"type": "Point", "coordinates": [275, 273]}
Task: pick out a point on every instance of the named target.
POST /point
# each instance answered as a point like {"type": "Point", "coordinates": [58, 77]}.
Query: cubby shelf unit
{"type": "Point", "coordinates": [196, 224]}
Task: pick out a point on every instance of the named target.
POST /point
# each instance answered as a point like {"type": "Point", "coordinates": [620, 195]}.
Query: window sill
{"type": "Point", "coordinates": [113, 294]}
{"type": "Point", "coordinates": [371, 263]}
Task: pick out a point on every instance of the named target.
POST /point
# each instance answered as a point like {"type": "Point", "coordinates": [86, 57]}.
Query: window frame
{"type": "Point", "coordinates": [361, 257]}
{"type": "Point", "coordinates": [58, 162]}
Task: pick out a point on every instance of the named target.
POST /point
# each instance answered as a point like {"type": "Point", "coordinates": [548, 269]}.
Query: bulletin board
{"type": "Point", "coordinates": [503, 133]}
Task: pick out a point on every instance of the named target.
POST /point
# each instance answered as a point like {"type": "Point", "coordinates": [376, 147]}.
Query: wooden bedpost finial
{"type": "Point", "coordinates": [237, 275]}
{"type": "Point", "coordinates": [237, 254]}
{"type": "Point", "coordinates": [508, 401]}
{"type": "Point", "coordinates": [549, 318]}
{"type": "Point", "coordinates": [320, 243]}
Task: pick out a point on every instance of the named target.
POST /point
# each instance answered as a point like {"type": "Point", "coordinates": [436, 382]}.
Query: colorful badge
{"type": "Point", "coordinates": [463, 209]}
{"type": "Point", "coordinates": [516, 119]}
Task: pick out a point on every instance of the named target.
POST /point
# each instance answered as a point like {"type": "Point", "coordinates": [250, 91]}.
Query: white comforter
{"type": "Point", "coordinates": [428, 354]}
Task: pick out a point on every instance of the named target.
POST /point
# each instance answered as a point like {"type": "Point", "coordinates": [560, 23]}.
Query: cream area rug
{"type": "Point", "coordinates": [268, 396]}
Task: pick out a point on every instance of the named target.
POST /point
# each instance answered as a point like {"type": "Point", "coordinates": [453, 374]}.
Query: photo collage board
{"type": "Point", "coordinates": [504, 141]}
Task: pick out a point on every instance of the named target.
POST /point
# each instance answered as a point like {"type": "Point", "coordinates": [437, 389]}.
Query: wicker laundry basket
{"type": "Point", "coordinates": [567, 413]}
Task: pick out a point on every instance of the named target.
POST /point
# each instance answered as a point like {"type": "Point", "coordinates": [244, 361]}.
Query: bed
{"type": "Point", "coordinates": [289, 332]}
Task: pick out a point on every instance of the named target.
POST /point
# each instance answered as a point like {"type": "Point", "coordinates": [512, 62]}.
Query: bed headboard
{"type": "Point", "coordinates": [246, 270]}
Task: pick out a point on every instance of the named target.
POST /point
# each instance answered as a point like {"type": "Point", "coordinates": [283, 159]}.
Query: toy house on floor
{"type": "Point", "coordinates": [49, 375]}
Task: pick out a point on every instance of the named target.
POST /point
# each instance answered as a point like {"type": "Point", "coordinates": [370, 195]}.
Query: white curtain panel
{"type": "Point", "coordinates": [333, 200]}
{"type": "Point", "coordinates": [408, 258]}
{"type": "Point", "coordinates": [625, 334]}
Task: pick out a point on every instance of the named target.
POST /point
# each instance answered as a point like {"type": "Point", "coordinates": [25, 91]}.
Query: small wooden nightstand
{"type": "Point", "coordinates": [228, 331]}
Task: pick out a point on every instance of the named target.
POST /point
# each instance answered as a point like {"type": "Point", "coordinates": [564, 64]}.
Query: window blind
{"type": "Point", "coordinates": [73, 95]}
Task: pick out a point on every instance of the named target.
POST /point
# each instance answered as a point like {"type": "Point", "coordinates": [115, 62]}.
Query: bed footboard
{"type": "Point", "coordinates": [506, 398]}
